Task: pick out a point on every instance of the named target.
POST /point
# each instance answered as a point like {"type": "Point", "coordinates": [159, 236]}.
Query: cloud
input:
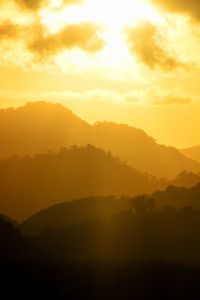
{"type": "Point", "coordinates": [8, 30]}
{"type": "Point", "coordinates": [35, 5]}
{"type": "Point", "coordinates": [145, 42]}
{"type": "Point", "coordinates": [91, 95]}
{"type": "Point", "coordinates": [71, 2]}
{"type": "Point", "coordinates": [31, 5]}
{"type": "Point", "coordinates": [173, 100]}
{"type": "Point", "coordinates": [43, 45]}
{"type": "Point", "coordinates": [83, 35]}
{"type": "Point", "coordinates": [188, 7]}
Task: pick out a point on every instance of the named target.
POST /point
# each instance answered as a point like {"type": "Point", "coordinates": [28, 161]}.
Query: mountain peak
{"type": "Point", "coordinates": [38, 127]}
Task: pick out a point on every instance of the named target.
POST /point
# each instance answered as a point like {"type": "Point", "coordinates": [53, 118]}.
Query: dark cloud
{"type": "Point", "coordinates": [174, 100]}
{"type": "Point", "coordinates": [189, 7]}
{"type": "Point", "coordinates": [145, 42]}
{"type": "Point", "coordinates": [84, 36]}
{"type": "Point", "coordinates": [8, 30]}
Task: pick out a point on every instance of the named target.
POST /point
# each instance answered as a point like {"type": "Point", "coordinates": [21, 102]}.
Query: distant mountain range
{"type": "Point", "coordinates": [193, 153]}
{"type": "Point", "coordinates": [77, 211]}
{"type": "Point", "coordinates": [31, 183]}
{"type": "Point", "coordinates": [178, 197]}
{"type": "Point", "coordinates": [92, 208]}
{"type": "Point", "coordinates": [37, 127]}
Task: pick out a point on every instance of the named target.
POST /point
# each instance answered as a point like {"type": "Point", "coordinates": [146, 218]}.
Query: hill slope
{"type": "Point", "coordinates": [141, 151]}
{"type": "Point", "coordinates": [38, 127]}
{"type": "Point", "coordinates": [89, 209]}
{"type": "Point", "coordinates": [178, 197]}
{"type": "Point", "coordinates": [29, 184]}
{"type": "Point", "coordinates": [193, 153]}
{"type": "Point", "coordinates": [77, 211]}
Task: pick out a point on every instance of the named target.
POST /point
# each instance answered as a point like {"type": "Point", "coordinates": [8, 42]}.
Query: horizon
{"type": "Point", "coordinates": [100, 149]}
{"type": "Point", "coordinates": [93, 122]}
{"type": "Point", "coordinates": [140, 67]}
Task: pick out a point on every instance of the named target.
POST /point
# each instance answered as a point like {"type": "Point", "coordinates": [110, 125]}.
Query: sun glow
{"type": "Point", "coordinates": [109, 13]}
{"type": "Point", "coordinates": [117, 14]}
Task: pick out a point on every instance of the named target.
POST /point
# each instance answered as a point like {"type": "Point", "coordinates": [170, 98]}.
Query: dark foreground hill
{"type": "Point", "coordinates": [38, 127]}
{"type": "Point", "coordinates": [43, 280]}
{"type": "Point", "coordinates": [151, 235]}
{"type": "Point", "coordinates": [29, 184]}
{"type": "Point", "coordinates": [154, 254]}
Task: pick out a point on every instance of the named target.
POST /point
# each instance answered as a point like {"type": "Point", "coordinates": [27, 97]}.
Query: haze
{"type": "Point", "coordinates": [100, 149]}
{"type": "Point", "coordinates": [134, 62]}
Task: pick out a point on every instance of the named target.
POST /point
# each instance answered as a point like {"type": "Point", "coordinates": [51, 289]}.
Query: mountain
{"type": "Point", "coordinates": [141, 151]}
{"type": "Point", "coordinates": [31, 183]}
{"type": "Point", "coordinates": [9, 220]}
{"type": "Point", "coordinates": [37, 127]}
{"type": "Point", "coordinates": [178, 197]}
{"type": "Point", "coordinates": [158, 236]}
{"type": "Point", "coordinates": [185, 179]}
{"type": "Point", "coordinates": [77, 211]}
{"type": "Point", "coordinates": [193, 153]}
{"type": "Point", "coordinates": [91, 208]}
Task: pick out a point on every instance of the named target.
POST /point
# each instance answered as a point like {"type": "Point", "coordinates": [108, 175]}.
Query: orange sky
{"type": "Point", "coordinates": [130, 61]}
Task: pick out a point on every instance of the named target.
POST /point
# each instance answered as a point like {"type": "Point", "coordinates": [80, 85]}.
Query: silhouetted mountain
{"type": "Point", "coordinates": [29, 184]}
{"type": "Point", "coordinates": [77, 211]}
{"type": "Point", "coordinates": [150, 235]}
{"type": "Point", "coordinates": [38, 127]}
{"type": "Point", "coordinates": [11, 240]}
{"type": "Point", "coordinates": [193, 153]}
{"type": "Point", "coordinates": [185, 179]}
{"type": "Point", "coordinates": [9, 220]}
{"type": "Point", "coordinates": [154, 255]}
{"type": "Point", "coordinates": [178, 197]}
{"type": "Point", "coordinates": [141, 151]}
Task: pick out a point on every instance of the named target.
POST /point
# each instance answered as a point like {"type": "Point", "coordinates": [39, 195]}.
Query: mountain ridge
{"type": "Point", "coordinates": [192, 152]}
{"type": "Point", "coordinates": [89, 209]}
{"type": "Point", "coordinates": [40, 126]}
{"type": "Point", "coordinates": [31, 183]}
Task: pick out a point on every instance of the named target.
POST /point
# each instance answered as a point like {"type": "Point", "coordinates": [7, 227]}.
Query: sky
{"type": "Point", "coordinates": [127, 61]}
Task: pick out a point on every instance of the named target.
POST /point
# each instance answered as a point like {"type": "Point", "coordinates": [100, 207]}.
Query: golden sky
{"type": "Point", "coordinates": [128, 61]}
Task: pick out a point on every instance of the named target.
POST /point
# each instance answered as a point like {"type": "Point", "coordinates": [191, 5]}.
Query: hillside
{"type": "Point", "coordinates": [141, 151]}
{"type": "Point", "coordinates": [77, 211]}
{"type": "Point", "coordinates": [92, 208]}
{"type": "Point", "coordinates": [178, 197]}
{"type": "Point", "coordinates": [37, 127]}
{"type": "Point", "coordinates": [29, 184]}
{"type": "Point", "coordinates": [193, 153]}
